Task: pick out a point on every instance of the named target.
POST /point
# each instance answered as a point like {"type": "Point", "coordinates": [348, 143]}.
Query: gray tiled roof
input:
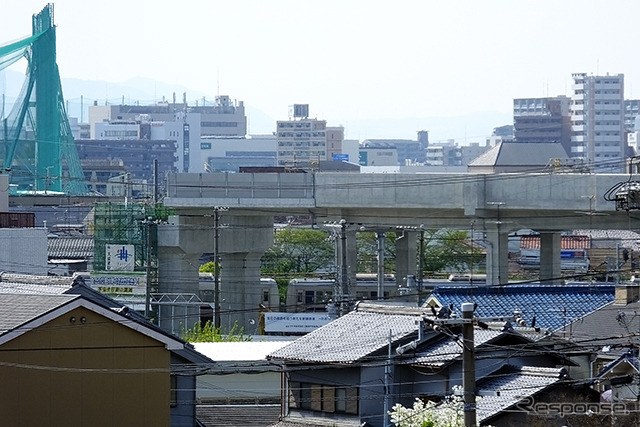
{"type": "Point", "coordinates": [17, 309]}
{"type": "Point", "coordinates": [508, 388]}
{"type": "Point", "coordinates": [33, 288]}
{"type": "Point", "coordinates": [532, 154]}
{"type": "Point", "coordinates": [352, 336]}
{"type": "Point", "coordinates": [612, 325]}
{"type": "Point", "coordinates": [70, 247]}
{"type": "Point", "coordinates": [449, 349]}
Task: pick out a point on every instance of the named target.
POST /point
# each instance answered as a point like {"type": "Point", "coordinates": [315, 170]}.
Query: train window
{"type": "Point", "coordinates": [265, 296]}
{"type": "Point", "coordinates": [308, 297]}
{"type": "Point", "coordinates": [374, 294]}
{"type": "Point", "coordinates": [300, 297]}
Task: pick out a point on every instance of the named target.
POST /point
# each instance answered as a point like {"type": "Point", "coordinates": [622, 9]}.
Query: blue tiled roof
{"type": "Point", "coordinates": [554, 306]}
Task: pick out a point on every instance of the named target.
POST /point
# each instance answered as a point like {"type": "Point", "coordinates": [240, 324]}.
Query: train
{"type": "Point", "coordinates": [313, 294]}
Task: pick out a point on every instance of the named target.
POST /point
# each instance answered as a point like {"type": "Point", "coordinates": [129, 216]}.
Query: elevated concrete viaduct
{"type": "Point", "coordinates": [496, 204]}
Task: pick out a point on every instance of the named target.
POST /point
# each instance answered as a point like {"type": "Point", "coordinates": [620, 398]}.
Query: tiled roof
{"type": "Point", "coordinates": [612, 325]}
{"type": "Point", "coordinates": [17, 309]}
{"type": "Point", "coordinates": [352, 336]}
{"type": "Point", "coordinates": [237, 415]}
{"type": "Point", "coordinates": [627, 238]}
{"type": "Point", "coordinates": [531, 154]}
{"type": "Point", "coordinates": [448, 349]}
{"type": "Point", "coordinates": [553, 306]}
{"type": "Point", "coordinates": [70, 247]}
{"type": "Point", "coordinates": [506, 389]}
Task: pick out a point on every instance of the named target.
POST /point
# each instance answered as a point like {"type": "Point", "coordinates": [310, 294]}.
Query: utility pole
{"type": "Point", "coordinates": [380, 236]}
{"type": "Point", "coordinates": [216, 266]}
{"type": "Point", "coordinates": [387, 384]}
{"type": "Point", "coordinates": [344, 277]}
{"type": "Point", "coordinates": [468, 366]}
{"type": "Point", "coordinates": [147, 297]}
{"type": "Point", "coordinates": [421, 259]}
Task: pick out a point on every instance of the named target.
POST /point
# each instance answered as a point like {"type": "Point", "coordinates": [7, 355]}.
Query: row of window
{"type": "Point", "coordinates": [323, 398]}
{"type": "Point", "coordinates": [302, 154]}
{"type": "Point", "coordinates": [219, 124]}
{"type": "Point", "coordinates": [294, 125]}
{"type": "Point", "coordinates": [120, 133]}
{"type": "Point", "coordinates": [301, 134]}
{"type": "Point", "coordinates": [301, 144]}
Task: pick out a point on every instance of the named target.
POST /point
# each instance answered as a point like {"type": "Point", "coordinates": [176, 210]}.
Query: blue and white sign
{"type": "Point", "coordinates": [294, 322]}
{"type": "Point", "coordinates": [120, 257]}
{"type": "Point", "coordinates": [340, 157]}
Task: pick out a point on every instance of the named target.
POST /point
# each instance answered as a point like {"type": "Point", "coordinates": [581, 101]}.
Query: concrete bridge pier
{"type": "Point", "coordinates": [242, 241]}
{"type": "Point", "coordinates": [351, 258]}
{"type": "Point", "coordinates": [497, 256]}
{"type": "Point", "coordinates": [406, 257]}
{"type": "Point", "coordinates": [181, 243]}
{"type": "Point", "coordinates": [550, 255]}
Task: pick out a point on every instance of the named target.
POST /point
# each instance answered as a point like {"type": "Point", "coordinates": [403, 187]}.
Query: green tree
{"type": "Point", "coordinates": [298, 252]}
{"type": "Point", "coordinates": [209, 333]}
{"type": "Point", "coordinates": [367, 247]}
{"type": "Point", "coordinates": [209, 267]}
{"type": "Point", "coordinates": [450, 250]}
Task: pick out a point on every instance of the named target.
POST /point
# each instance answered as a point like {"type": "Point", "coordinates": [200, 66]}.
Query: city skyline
{"type": "Point", "coordinates": [353, 62]}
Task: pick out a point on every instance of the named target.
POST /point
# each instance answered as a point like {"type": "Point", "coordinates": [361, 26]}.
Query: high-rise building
{"type": "Point", "coordinates": [597, 122]}
{"type": "Point", "coordinates": [542, 120]}
{"type": "Point", "coordinates": [301, 141]}
{"type": "Point", "coordinates": [631, 109]}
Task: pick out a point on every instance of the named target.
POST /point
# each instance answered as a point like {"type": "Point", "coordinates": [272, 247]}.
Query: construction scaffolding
{"type": "Point", "coordinates": [36, 143]}
{"type": "Point", "coordinates": [126, 241]}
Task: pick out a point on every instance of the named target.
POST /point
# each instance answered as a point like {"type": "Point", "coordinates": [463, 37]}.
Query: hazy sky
{"type": "Point", "coordinates": [350, 60]}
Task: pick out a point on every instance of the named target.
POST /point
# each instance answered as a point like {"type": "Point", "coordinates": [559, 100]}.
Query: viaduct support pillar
{"type": "Point", "coordinates": [406, 257]}
{"type": "Point", "coordinates": [497, 257]}
{"type": "Point", "coordinates": [352, 260]}
{"type": "Point", "coordinates": [242, 242]}
{"type": "Point", "coordinates": [181, 242]}
{"type": "Point", "coordinates": [550, 254]}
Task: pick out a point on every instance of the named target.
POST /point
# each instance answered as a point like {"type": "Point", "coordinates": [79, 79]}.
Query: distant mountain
{"type": "Point", "coordinates": [79, 94]}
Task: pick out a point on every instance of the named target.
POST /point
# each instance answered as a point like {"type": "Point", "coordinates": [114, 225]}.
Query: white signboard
{"type": "Point", "coordinates": [294, 322]}
{"type": "Point", "coordinates": [120, 257]}
{"type": "Point", "coordinates": [120, 284]}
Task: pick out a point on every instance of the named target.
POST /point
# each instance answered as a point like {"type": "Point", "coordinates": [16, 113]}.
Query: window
{"type": "Point", "coordinates": [265, 296]}
{"type": "Point", "coordinates": [323, 398]}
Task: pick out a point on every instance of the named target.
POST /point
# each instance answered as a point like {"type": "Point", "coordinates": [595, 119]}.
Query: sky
{"type": "Point", "coordinates": [416, 64]}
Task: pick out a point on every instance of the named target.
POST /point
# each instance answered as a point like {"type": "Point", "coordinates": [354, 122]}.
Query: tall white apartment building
{"type": "Point", "coordinates": [597, 121]}
{"type": "Point", "coordinates": [301, 141]}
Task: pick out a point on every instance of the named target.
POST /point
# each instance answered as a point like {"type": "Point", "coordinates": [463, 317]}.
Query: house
{"type": "Point", "coordinates": [69, 254]}
{"type": "Point", "coordinates": [509, 156]}
{"type": "Point", "coordinates": [550, 307]}
{"type": "Point", "coordinates": [610, 336]}
{"type": "Point", "coordinates": [243, 389]}
{"type": "Point", "coordinates": [347, 372]}
{"type": "Point", "coordinates": [72, 356]}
